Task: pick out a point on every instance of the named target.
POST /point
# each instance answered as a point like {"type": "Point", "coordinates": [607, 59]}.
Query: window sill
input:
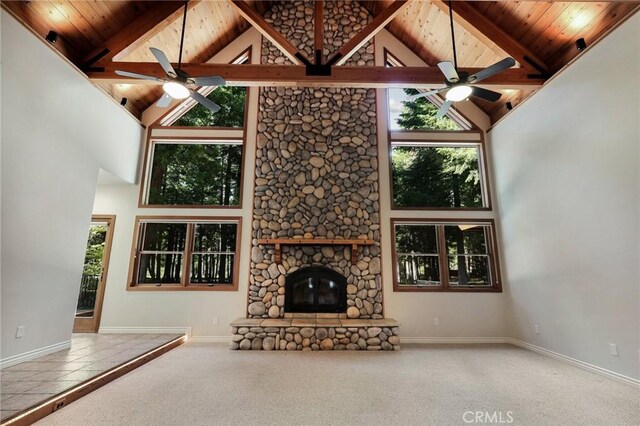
{"type": "Point", "coordinates": [405, 288]}
{"type": "Point", "coordinates": [447, 209]}
{"type": "Point", "coordinates": [178, 287]}
{"type": "Point", "coordinates": [188, 206]}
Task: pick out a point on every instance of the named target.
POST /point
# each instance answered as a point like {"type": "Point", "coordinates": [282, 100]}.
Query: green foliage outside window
{"type": "Point", "coordinates": [420, 114]}
{"type": "Point", "coordinates": [432, 176]}
{"type": "Point", "coordinates": [231, 100]}
{"type": "Point", "coordinates": [196, 174]}
{"type": "Point", "coordinates": [95, 250]}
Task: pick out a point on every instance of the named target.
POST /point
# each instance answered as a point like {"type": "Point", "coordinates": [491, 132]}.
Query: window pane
{"type": "Point", "coordinates": [469, 239]}
{"type": "Point", "coordinates": [415, 115]}
{"type": "Point", "coordinates": [212, 268]}
{"type": "Point", "coordinates": [195, 174]}
{"type": "Point", "coordinates": [467, 254]}
{"type": "Point", "coordinates": [231, 100]}
{"type": "Point", "coordinates": [469, 271]}
{"type": "Point", "coordinates": [418, 270]}
{"type": "Point", "coordinates": [163, 236]}
{"type": "Point", "coordinates": [163, 268]}
{"type": "Point", "coordinates": [214, 253]}
{"type": "Point", "coordinates": [435, 176]}
{"type": "Point", "coordinates": [416, 251]}
{"type": "Point", "coordinates": [218, 237]}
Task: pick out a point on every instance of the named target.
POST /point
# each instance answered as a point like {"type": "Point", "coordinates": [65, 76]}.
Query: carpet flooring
{"type": "Point", "coordinates": [208, 384]}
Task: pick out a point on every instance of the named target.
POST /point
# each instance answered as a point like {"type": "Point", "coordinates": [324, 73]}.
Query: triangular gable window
{"type": "Point", "coordinates": [419, 114]}
{"type": "Point", "coordinates": [231, 99]}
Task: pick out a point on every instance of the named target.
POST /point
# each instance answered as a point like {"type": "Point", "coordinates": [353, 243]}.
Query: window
{"type": "Point", "coordinates": [232, 102]}
{"type": "Point", "coordinates": [419, 114]}
{"type": "Point", "coordinates": [187, 173]}
{"type": "Point", "coordinates": [185, 254]}
{"type": "Point", "coordinates": [437, 175]}
{"type": "Point", "coordinates": [445, 255]}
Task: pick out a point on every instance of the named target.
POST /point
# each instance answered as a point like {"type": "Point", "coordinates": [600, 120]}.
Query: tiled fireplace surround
{"type": "Point", "coordinates": [316, 176]}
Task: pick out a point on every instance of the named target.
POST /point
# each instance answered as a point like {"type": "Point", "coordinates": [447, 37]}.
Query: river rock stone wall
{"type": "Point", "coordinates": [316, 169]}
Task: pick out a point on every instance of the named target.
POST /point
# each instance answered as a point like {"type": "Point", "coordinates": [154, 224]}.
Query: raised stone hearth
{"type": "Point", "coordinates": [314, 332]}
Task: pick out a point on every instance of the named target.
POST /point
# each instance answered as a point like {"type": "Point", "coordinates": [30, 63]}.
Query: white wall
{"type": "Point", "coordinates": [566, 167]}
{"type": "Point", "coordinates": [57, 131]}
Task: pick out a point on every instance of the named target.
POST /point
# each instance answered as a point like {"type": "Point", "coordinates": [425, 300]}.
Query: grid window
{"type": "Point", "coordinates": [188, 254]}
{"type": "Point", "coordinates": [445, 256]}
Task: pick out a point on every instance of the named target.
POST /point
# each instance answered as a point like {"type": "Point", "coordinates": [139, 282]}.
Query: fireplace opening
{"type": "Point", "coordinates": [315, 289]}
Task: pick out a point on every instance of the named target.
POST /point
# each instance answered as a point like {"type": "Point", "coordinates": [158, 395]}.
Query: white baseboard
{"type": "Point", "coordinates": [36, 353]}
{"type": "Point", "coordinates": [210, 339]}
{"type": "Point", "coordinates": [576, 362]}
{"type": "Point", "coordinates": [146, 330]}
{"type": "Point", "coordinates": [454, 340]}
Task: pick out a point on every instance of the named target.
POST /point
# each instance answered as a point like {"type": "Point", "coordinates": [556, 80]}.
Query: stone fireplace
{"type": "Point", "coordinates": [316, 177]}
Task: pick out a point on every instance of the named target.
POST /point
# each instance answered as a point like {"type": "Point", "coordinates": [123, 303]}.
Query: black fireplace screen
{"type": "Point", "coordinates": [315, 289]}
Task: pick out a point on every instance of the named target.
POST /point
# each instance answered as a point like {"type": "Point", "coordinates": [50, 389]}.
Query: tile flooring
{"type": "Point", "coordinates": [29, 383]}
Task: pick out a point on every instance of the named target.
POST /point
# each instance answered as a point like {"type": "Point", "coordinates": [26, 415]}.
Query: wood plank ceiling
{"type": "Point", "coordinates": [547, 30]}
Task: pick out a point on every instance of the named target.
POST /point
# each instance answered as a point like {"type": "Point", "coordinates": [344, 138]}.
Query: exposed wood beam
{"type": "Point", "coordinates": [367, 33]}
{"type": "Point", "coordinates": [318, 30]}
{"type": "Point", "coordinates": [144, 27]}
{"type": "Point", "coordinates": [488, 32]}
{"type": "Point", "coordinates": [273, 35]}
{"type": "Point", "coordinates": [292, 75]}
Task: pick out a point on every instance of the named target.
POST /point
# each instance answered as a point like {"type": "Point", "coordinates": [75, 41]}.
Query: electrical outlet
{"type": "Point", "coordinates": [20, 332]}
{"type": "Point", "coordinates": [613, 348]}
{"type": "Point", "coordinates": [536, 327]}
{"type": "Point", "coordinates": [436, 321]}
{"type": "Point", "coordinates": [214, 321]}
{"type": "Point", "coordinates": [58, 404]}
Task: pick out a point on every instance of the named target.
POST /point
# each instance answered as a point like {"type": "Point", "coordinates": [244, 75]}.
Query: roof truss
{"type": "Point", "coordinates": [273, 35]}
{"type": "Point", "coordinates": [367, 33]}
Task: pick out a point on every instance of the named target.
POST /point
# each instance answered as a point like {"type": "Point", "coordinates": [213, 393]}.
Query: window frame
{"type": "Point", "coordinates": [185, 284]}
{"type": "Point", "coordinates": [492, 249]}
{"type": "Point", "coordinates": [184, 140]}
{"type": "Point", "coordinates": [430, 141]}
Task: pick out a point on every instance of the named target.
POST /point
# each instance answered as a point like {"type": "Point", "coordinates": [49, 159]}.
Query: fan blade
{"type": "Point", "coordinates": [499, 66]}
{"type": "Point", "coordinates": [139, 76]}
{"type": "Point", "coordinates": [164, 101]}
{"type": "Point", "coordinates": [213, 80]}
{"type": "Point", "coordinates": [487, 95]}
{"type": "Point", "coordinates": [424, 94]}
{"type": "Point", "coordinates": [449, 72]}
{"type": "Point", "coordinates": [443, 109]}
{"type": "Point", "coordinates": [163, 61]}
{"type": "Point", "coordinates": [210, 105]}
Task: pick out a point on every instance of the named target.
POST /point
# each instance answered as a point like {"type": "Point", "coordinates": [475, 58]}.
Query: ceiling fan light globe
{"type": "Point", "coordinates": [459, 93]}
{"type": "Point", "coordinates": [175, 90]}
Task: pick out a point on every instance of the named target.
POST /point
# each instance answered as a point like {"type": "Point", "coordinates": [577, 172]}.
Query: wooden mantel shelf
{"type": "Point", "coordinates": [279, 242]}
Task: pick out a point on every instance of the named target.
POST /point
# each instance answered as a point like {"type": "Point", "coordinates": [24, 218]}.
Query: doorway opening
{"type": "Point", "coordinates": [94, 274]}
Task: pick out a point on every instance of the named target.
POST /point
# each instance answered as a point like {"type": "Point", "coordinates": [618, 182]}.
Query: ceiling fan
{"type": "Point", "coordinates": [177, 82]}
{"type": "Point", "coordinates": [459, 84]}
